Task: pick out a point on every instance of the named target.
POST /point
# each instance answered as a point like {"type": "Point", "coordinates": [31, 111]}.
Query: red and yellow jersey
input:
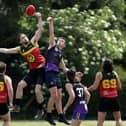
{"type": "Point", "coordinates": [32, 56]}
{"type": "Point", "coordinates": [108, 85]}
{"type": "Point", "coordinates": [3, 90]}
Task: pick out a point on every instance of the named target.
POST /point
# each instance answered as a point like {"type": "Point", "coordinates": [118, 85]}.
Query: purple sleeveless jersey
{"type": "Point", "coordinates": [79, 103]}
{"type": "Point", "coordinates": [53, 59]}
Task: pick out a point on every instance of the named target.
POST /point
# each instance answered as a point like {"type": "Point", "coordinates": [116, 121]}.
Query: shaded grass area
{"type": "Point", "coordinates": [43, 123]}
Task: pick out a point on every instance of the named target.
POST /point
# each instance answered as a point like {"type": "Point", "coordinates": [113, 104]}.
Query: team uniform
{"type": "Point", "coordinates": [80, 109]}
{"type": "Point", "coordinates": [36, 62]}
{"type": "Point", "coordinates": [53, 59]}
{"type": "Point", "coordinates": [108, 93]}
{"type": "Point", "coordinates": [3, 96]}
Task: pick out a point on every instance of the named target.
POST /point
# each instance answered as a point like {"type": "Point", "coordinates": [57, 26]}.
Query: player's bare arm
{"type": "Point", "coordinates": [119, 85]}
{"type": "Point", "coordinates": [96, 83]}
{"type": "Point", "coordinates": [51, 32]}
{"type": "Point", "coordinates": [38, 32]}
{"type": "Point", "coordinates": [70, 91]}
{"type": "Point", "coordinates": [10, 51]}
{"type": "Point", "coordinates": [87, 95]}
{"type": "Point", "coordinates": [9, 89]}
{"type": "Point", "coordinates": [63, 66]}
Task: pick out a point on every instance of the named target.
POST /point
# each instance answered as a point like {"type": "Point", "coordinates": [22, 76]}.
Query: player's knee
{"type": "Point", "coordinates": [38, 90]}
{"type": "Point", "coordinates": [54, 96]}
{"type": "Point", "coordinates": [22, 84]}
{"type": "Point", "coordinates": [7, 118]}
{"type": "Point", "coordinates": [58, 97]}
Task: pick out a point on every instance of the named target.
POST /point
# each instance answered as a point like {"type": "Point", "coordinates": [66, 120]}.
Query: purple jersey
{"type": "Point", "coordinates": [53, 59]}
{"type": "Point", "coordinates": [79, 104]}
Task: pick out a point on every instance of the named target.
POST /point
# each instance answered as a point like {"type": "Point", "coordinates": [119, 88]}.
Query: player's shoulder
{"type": "Point", "coordinates": [7, 78]}
{"type": "Point", "coordinates": [68, 84]}
{"type": "Point", "coordinates": [51, 47]}
{"type": "Point", "coordinates": [34, 43]}
{"type": "Point", "coordinates": [115, 73]}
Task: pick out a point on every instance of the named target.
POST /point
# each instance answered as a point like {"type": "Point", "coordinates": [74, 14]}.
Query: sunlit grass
{"type": "Point", "coordinates": [43, 123]}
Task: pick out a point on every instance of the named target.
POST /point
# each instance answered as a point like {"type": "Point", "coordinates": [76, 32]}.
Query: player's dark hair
{"type": "Point", "coordinates": [61, 38]}
{"type": "Point", "coordinates": [2, 67]}
{"type": "Point", "coordinates": [108, 65]}
{"type": "Point", "coordinates": [71, 75]}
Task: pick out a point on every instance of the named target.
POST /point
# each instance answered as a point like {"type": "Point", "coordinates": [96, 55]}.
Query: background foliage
{"type": "Point", "coordinates": [93, 29]}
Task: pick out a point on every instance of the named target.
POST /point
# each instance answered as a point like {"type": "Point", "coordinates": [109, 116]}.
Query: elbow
{"type": "Point", "coordinates": [40, 30]}
{"type": "Point", "coordinates": [94, 88]}
{"type": "Point", "coordinates": [89, 95]}
{"type": "Point", "coordinates": [72, 97]}
{"type": "Point", "coordinates": [119, 86]}
{"type": "Point", "coordinates": [87, 98]}
{"type": "Point", "coordinates": [6, 52]}
{"type": "Point", "coordinates": [91, 88]}
{"type": "Point", "coordinates": [10, 91]}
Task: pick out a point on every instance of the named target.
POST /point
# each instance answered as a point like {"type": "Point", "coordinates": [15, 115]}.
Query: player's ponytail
{"type": "Point", "coordinates": [108, 65]}
{"type": "Point", "coordinates": [71, 75]}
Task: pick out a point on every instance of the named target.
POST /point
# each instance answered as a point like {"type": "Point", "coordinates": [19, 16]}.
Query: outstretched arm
{"type": "Point", "coordinates": [10, 90]}
{"type": "Point", "coordinates": [10, 51]}
{"type": "Point", "coordinates": [96, 83]}
{"type": "Point", "coordinates": [38, 32]}
{"type": "Point", "coordinates": [51, 32]}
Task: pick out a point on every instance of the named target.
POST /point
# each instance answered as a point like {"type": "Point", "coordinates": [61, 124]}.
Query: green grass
{"type": "Point", "coordinates": [43, 123]}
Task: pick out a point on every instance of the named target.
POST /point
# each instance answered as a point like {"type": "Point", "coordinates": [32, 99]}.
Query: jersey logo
{"type": "Point", "coordinates": [31, 58]}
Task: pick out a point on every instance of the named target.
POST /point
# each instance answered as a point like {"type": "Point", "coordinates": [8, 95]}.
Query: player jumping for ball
{"type": "Point", "coordinates": [30, 51]}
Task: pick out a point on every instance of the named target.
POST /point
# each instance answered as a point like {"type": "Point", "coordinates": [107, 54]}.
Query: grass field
{"type": "Point", "coordinates": [43, 123]}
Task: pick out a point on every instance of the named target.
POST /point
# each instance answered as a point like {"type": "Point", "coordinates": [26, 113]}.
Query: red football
{"type": "Point", "coordinates": [30, 9]}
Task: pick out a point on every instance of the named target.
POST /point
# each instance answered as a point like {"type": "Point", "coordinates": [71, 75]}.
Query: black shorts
{"type": "Point", "coordinates": [108, 105]}
{"type": "Point", "coordinates": [53, 79]}
{"type": "Point", "coordinates": [3, 108]}
{"type": "Point", "coordinates": [35, 76]}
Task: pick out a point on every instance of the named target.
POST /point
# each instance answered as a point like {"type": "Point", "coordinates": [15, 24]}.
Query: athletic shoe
{"type": "Point", "coordinates": [49, 119]}
{"type": "Point", "coordinates": [39, 114]}
{"type": "Point", "coordinates": [62, 119]}
{"type": "Point", "coordinates": [16, 108]}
